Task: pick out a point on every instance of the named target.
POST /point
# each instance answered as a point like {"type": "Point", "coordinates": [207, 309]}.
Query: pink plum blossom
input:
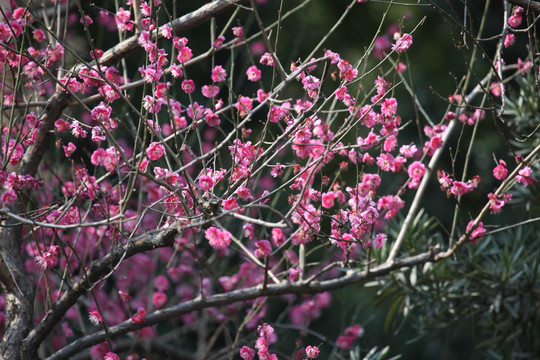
{"type": "Point", "coordinates": [155, 151]}
{"type": "Point", "coordinates": [525, 176]}
{"type": "Point", "coordinates": [95, 318]}
{"type": "Point", "coordinates": [218, 238]}
{"type": "Point", "coordinates": [477, 232]}
{"type": "Point", "coordinates": [403, 43]}
{"type": "Point", "coordinates": [263, 248]}
{"type": "Point", "coordinates": [206, 182]}
{"type": "Point", "coordinates": [500, 171]}
{"type": "Point", "coordinates": [253, 73]}
{"type": "Point", "coordinates": [188, 86]}
{"type": "Point", "coordinates": [312, 352]}
{"type": "Point", "coordinates": [218, 74]}
{"type": "Point", "coordinates": [69, 149]}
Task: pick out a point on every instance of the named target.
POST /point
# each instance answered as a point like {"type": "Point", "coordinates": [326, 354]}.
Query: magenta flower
{"type": "Point", "coordinates": [403, 43]}
{"type": "Point", "coordinates": [188, 86]}
{"type": "Point", "coordinates": [210, 91]}
{"type": "Point", "coordinates": [218, 74]}
{"type": "Point", "coordinates": [217, 238]}
{"type": "Point", "coordinates": [95, 318]}
{"type": "Point", "coordinates": [159, 299]}
{"type": "Point", "coordinates": [500, 171]}
{"type": "Point", "coordinates": [111, 356]}
{"type": "Point", "coordinates": [277, 237]}
{"type": "Point", "coordinates": [476, 233]}
{"type": "Point", "coordinates": [161, 283]}
{"type": "Point", "coordinates": [16, 151]}
{"type": "Point", "coordinates": [69, 149]}
{"type": "Point", "coordinates": [140, 316]}
{"type": "Point", "coordinates": [184, 54]}
{"type": "Point", "coordinates": [253, 73]}
{"type": "Point", "coordinates": [327, 199]}
{"type": "Point", "coordinates": [238, 31]}
{"type": "Point", "coordinates": [525, 176]}
{"type": "Point", "coordinates": [263, 248]}
{"type": "Point", "coordinates": [312, 352]}
{"type": "Point", "coordinates": [101, 113]}
{"type": "Point", "coordinates": [380, 240]}
{"type": "Point", "coordinates": [247, 353]}
{"type": "Point", "coordinates": [416, 170]}
{"type": "Point", "coordinates": [123, 20]}
{"type": "Point", "coordinates": [514, 20]}
{"type": "Point", "coordinates": [8, 197]}
{"type": "Point", "coordinates": [155, 150]}
{"type": "Point", "coordinates": [509, 40]}
{"type": "Point", "coordinates": [267, 59]}
{"type": "Point", "coordinates": [496, 202]}
{"type": "Point", "coordinates": [349, 336]}
{"type": "Point", "coordinates": [39, 35]}
{"type": "Point", "coordinates": [206, 182]}
{"type": "Point", "coordinates": [218, 43]}
{"type": "Point", "coordinates": [244, 105]}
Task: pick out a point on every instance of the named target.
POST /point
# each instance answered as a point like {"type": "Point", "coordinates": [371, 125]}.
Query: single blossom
{"type": "Point", "coordinates": [253, 73]}
{"type": "Point", "coordinates": [509, 40]}
{"type": "Point", "coordinates": [159, 299]}
{"type": "Point", "coordinates": [247, 353]}
{"type": "Point", "coordinates": [95, 318]}
{"type": "Point", "coordinates": [184, 54]}
{"type": "Point", "coordinates": [188, 86]}
{"type": "Point", "coordinates": [380, 240]}
{"type": "Point", "coordinates": [69, 149]}
{"type": "Point", "coordinates": [500, 171]}
{"type": "Point", "coordinates": [206, 182]}
{"type": "Point", "coordinates": [111, 356]}
{"type": "Point", "coordinates": [263, 248]}
{"type": "Point", "coordinates": [312, 352]}
{"type": "Point", "coordinates": [475, 232]}
{"type": "Point", "coordinates": [218, 74]}
{"type": "Point", "coordinates": [155, 151]}
{"type": "Point", "coordinates": [140, 316]}
{"type": "Point", "coordinates": [218, 43]}
{"type": "Point", "coordinates": [210, 91]}
{"type": "Point", "coordinates": [416, 171]}
{"type": "Point", "coordinates": [403, 43]}
{"type": "Point", "coordinates": [238, 31]}
{"type": "Point", "coordinates": [327, 200]}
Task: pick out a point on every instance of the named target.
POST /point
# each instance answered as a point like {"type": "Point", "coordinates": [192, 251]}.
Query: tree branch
{"type": "Point", "coordinates": [429, 171]}
{"type": "Point", "coordinates": [18, 289]}
{"type": "Point", "coordinates": [18, 286]}
{"type": "Point", "coordinates": [93, 276]}
{"type": "Point", "coordinates": [159, 316]}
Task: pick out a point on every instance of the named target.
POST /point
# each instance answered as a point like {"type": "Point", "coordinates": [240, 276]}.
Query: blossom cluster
{"type": "Point", "coordinates": [253, 182]}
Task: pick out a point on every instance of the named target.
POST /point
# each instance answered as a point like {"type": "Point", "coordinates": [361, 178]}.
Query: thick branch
{"type": "Point", "coordinates": [17, 285]}
{"type": "Point", "coordinates": [178, 26]}
{"type": "Point", "coordinates": [60, 99]}
{"type": "Point", "coordinates": [95, 274]}
{"type": "Point", "coordinates": [18, 289]}
{"type": "Point", "coordinates": [352, 277]}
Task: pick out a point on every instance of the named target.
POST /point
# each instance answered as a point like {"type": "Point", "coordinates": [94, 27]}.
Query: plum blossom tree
{"type": "Point", "coordinates": [161, 192]}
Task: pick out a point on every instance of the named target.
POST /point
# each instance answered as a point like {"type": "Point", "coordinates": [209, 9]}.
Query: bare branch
{"type": "Point", "coordinates": [352, 277]}
{"type": "Point", "coordinates": [93, 275]}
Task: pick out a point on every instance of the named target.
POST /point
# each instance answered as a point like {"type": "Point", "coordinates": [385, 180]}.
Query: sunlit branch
{"type": "Point", "coordinates": [304, 287]}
